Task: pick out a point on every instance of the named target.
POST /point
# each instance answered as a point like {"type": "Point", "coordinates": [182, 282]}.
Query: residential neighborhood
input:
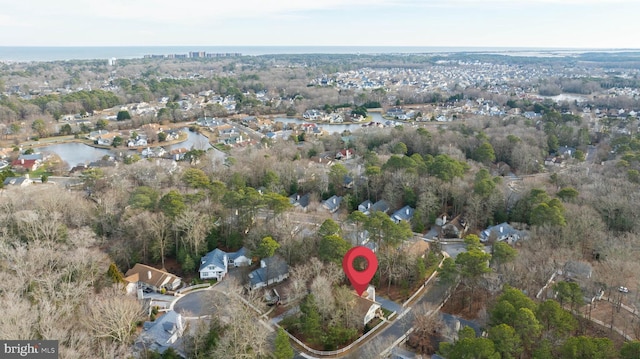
{"type": "Point", "coordinates": [209, 204]}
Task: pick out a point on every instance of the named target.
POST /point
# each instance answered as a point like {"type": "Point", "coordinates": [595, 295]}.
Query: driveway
{"type": "Point", "coordinates": [390, 305]}
{"type": "Point", "coordinates": [454, 248]}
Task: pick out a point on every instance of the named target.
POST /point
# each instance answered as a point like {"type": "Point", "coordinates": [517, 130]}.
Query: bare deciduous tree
{"type": "Point", "coordinates": [112, 315]}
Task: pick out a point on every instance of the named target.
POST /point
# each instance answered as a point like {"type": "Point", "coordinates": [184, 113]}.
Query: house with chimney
{"type": "Point", "coordinates": [25, 165]}
{"type": "Point", "coordinates": [403, 214]}
{"type": "Point", "coordinates": [214, 265]}
{"type": "Point", "coordinates": [300, 201]}
{"type": "Point", "coordinates": [144, 277]}
{"type": "Point", "coordinates": [455, 227]}
{"type": "Point", "coordinates": [501, 232]}
{"type": "Point", "coordinates": [272, 270]}
{"type": "Point", "coordinates": [366, 307]}
{"type": "Point", "coordinates": [344, 154]}
{"type": "Point", "coordinates": [367, 207]}
{"type": "Point", "coordinates": [163, 333]}
{"type": "Point", "coordinates": [332, 204]}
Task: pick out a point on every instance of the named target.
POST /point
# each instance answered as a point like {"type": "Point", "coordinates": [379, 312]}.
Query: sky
{"type": "Point", "coordinates": [581, 24]}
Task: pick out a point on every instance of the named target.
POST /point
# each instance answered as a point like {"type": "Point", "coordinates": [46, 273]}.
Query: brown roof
{"type": "Point", "coordinates": [417, 247]}
{"type": "Point", "coordinates": [179, 151]}
{"type": "Point", "coordinates": [152, 276]}
{"type": "Point", "coordinates": [362, 304]}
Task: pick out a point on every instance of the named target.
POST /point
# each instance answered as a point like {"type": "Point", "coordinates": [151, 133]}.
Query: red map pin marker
{"type": "Point", "coordinates": [360, 279]}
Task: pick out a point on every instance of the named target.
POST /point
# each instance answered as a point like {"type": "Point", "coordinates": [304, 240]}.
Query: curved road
{"type": "Point", "coordinates": [195, 304]}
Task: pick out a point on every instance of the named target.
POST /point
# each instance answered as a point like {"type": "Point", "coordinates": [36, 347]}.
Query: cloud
{"type": "Point", "coordinates": [189, 11]}
{"type": "Point", "coordinates": [9, 21]}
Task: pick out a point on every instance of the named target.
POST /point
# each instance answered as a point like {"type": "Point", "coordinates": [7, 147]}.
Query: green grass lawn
{"type": "Point", "coordinates": [37, 174]}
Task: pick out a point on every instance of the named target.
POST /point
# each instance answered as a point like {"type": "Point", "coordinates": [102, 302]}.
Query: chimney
{"type": "Point", "coordinates": [501, 229]}
{"type": "Point", "coordinates": [406, 211]}
{"type": "Point", "coordinates": [368, 205]}
{"type": "Point", "coordinates": [297, 197]}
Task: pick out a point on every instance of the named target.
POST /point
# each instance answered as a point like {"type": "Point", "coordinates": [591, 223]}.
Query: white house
{"type": "Point", "coordinates": [214, 265]}
{"type": "Point", "coordinates": [366, 306]}
{"type": "Point", "coordinates": [240, 258]}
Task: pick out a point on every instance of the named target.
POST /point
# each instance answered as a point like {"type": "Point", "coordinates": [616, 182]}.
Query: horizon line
{"type": "Point", "coordinates": [346, 46]}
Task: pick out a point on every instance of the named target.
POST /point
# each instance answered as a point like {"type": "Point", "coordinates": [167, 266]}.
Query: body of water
{"type": "Point", "coordinates": [75, 154]}
{"type": "Point", "coordinates": [335, 127]}
{"type": "Point", "coordinates": [44, 53]}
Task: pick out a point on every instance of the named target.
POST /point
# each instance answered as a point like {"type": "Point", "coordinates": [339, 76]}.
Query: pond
{"type": "Point", "coordinates": [80, 154]}
{"type": "Point", "coordinates": [335, 127]}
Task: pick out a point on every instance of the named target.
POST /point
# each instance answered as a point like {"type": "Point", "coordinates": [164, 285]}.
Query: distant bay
{"type": "Point", "coordinates": [43, 53]}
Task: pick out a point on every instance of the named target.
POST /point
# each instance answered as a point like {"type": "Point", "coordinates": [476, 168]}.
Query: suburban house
{"type": "Point", "coordinates": [554, 161]}
{"type": "Point", "coordinates": [93, 135]}
{"type": "Point", "coordinates": [566, 151]}
{"type": "Point", "coordinates": [332, 204]}
{"type": "Point", "coordinates": [137, 142]}
{"type": "Point", "coordinates": [214, 265]}
{"type": "Point", "coordinates": [300, 201]}
{"type": "Point", "coordinates": [344, 154]}
{"type": "Point", "coordinates": [403, 214]}
{"type": "Point", "coordinates": [454, 228]}
{"type": "Point", "coordinates": [106, 139]}
{"type": "Point", "coordinates": [501, 232]}
{"type": "Point", "coordinates": [34, 156]}
{"type": "Point", "coordinates": [355, 236]}
{"type": "Point", "coordinates": [366, 307]}
{"type": "Point", "coordinates": [240, 258]}
{"type": "Point", "coordinates": [312, 114]}
{"type": "Point", "coordinates": [415, 247]}
{"type": "Point", "coordinates": [22, 165]}
{"type": "Point", "coordinates": [395, 112]}
{"type": "Point", "coordinates": [208, 122]}
{"type": "Point", "coordinates": [367, 207]}
{"type": "Point", "coordinates": [142, 276]}
{"type": "Point", "coordinates": [272, 270]}
{"type": "Point", "coordinates": [17, 181]}
{"type": "Point", "coordinates": [162, 333]}
{"type": "Point", "coordinates": [347, 182]}
{"type": "Point", "coordinates": [153, 152]}
{"type": "Point", "coordinates": [178, 153]}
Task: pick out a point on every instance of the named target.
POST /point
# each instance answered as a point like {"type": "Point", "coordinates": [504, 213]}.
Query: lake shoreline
{"type": "Point", "coordinates": [59, 140]}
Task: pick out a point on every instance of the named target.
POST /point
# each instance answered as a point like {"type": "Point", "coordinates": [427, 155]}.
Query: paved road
{"type": "Point", "coordinates": [195, 304]}
{"type": "Point", "coordinates": [454, 248]}
{"type": "Point", "coordinates": [433, 296]}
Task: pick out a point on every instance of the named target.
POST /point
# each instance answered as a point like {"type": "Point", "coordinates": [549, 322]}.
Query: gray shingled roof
{"type": "Point", "coordinates": [403, 214]}
{"type": "Point", "coordinates": [274, 267]}
{"type": "Point", "coordinates": [332, 203]}
{"type": "Point", "coordinates": [241, 252]}
{"type": "Point", "coordinates": [215, 257]}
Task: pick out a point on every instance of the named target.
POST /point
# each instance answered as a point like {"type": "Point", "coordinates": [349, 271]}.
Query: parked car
{"type": "Point", "coordinates": [623, 290]}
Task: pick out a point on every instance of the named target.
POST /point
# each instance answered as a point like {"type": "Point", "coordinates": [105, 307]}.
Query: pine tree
{"type": "Point", "coordinates": [283, 347]}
